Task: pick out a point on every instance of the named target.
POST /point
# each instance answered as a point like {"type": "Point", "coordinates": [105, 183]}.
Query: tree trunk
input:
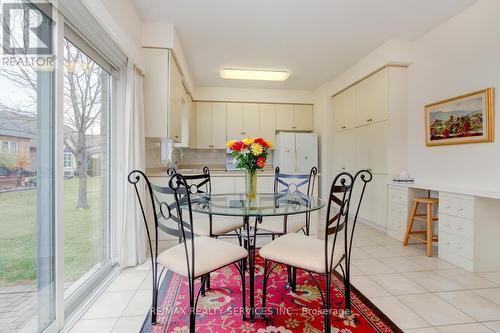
{"type": "Point", "coordinates": [82, 167]}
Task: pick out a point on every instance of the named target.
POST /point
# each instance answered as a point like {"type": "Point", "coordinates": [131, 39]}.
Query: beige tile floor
{"type": "Point", "coordinates": [420, 294]}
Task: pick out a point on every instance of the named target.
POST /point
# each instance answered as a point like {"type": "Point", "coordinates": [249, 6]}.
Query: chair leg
{"type": "Point", "coordinates": [429, 230]}
{"type": "Point", "coordinates": [192, 310]}
{"type": "Point", "coordinates": [154, 305]}
{"type": "Point", "coordinates": [208, 281]}
{"type": "Point", "coordinates": [294, 279]}
{"type": "Point", "coordinates": [273, 237]}
{"type": "Point", "coordinates": [239, 237]}
{"type": "Point", "coordinates": [289, 276]}
{"type": "Point", "coordinates": [328, 278]}
{"type": "Point", "coordinates": [264, 288]}
{"type": "Point", "coordinates": [244, 288]}
{"type": "Point", "coordinates": [347, 289]}
{"type": "Point", "coordinates": [410, 223]}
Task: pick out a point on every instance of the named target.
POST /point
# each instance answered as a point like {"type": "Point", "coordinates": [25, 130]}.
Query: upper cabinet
{"type": "Point", "coordinates": [364, 103]}
{"type": "Point", "coordinates": [218, 122]}
{"type": "Point", "coordinates": [372, 98]}
{"type": "Point", "coordinates": [251, 123]}
{"type": "Point", "coordinates": [165, 102]}
{"type": "Point", "coordinates": [285, 119]}
{"type": "Point", "coordinates": [242, 120]}
{"type": "Point", "coordinates": [267, 121]}
{"type": "Point", "coordinates": [211, 125]}
{"type": "Point", "coordinates": [344, 105]}
{"type": "Point", "coordinates": [290, 117]}
{"type": "Point", "coordinates": [177, 101]}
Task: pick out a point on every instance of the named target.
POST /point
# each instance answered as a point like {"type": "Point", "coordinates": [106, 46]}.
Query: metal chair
{"type": "Point", "coordinates": [196, 256]}
{"type": "Point", "coordinates": [317, 256]}
{"type": "Point", "coordinates": [302, 184]}
{"type": "Point", "coordinates": [201, 183]}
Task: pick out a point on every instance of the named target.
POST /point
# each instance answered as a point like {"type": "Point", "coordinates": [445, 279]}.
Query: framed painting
{"type": "Point", "coordinates": [464, 119]}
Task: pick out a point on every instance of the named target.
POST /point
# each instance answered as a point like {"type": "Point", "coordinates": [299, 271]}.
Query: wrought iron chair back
{"type": "Point", "coordinates": [199, 183]}
{"type": "Point", "coordinates": [295, 183]}
{"type": "Point", "coordinates": [339, 204]}
{"type": "Point", "coordinates": [300, 184]}
{"type": "Point", "coordinates": [154, 206]}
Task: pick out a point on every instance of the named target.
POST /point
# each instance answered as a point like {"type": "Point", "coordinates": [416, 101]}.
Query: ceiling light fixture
{"type": "Point", "coordinates": [250, 74]}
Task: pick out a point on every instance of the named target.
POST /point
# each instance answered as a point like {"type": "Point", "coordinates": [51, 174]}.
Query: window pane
{"type": "Point", "coordinates": [86, 116]}
{"type": "Point", "coordinates": [26, 196]}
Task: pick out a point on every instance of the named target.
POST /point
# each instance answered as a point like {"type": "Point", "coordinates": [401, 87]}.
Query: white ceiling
{"type": "Point", "coordinates": [312, 39]}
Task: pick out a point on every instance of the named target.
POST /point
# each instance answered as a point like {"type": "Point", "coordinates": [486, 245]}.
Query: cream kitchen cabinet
{"type": "Point", "coordinates": [371, 147]}
{"type": "Point", "coordinates": [370, 123]}
{"type": "Point", "coordinates": [344, 150]}
{"type": "Point", "coordinates": [344, 105]}
{"type": "Point", "coordinates": [242, 120]}
{"type": "Point", "coordinates": [163, 95]}
{"type": "Point", "coordinates": [192, 123]}
{"type": "Point", "coordinates": [211, 125]}
{"type": "Point", "coordinates": [267, 121]}
{"type": "Point", "coordinates": [303, 117]}
{"type": "Point", "coordinates": [291, 117]}
{"type": "Point", "coordinates": [372, 98]}
{"type": "Point", "coordinates": [235, 121]}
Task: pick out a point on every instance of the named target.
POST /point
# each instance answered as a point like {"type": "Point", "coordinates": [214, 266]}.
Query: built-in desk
{"type": "Point", "coordinates": [468, 226]}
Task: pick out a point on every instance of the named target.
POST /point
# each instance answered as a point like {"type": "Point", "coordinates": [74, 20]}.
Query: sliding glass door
{"type": "Point", "coordinates": [86, 168]}
{"type": "Point", "coordinates": [27, 224]}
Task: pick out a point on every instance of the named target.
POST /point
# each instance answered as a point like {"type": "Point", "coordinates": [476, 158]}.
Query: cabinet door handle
{"type": "Point", "coordinates": [369, 120]}
{"type": "Point", "coordinates": [343, 127]}
{"type": "Point", "coordinates": [460, 209]}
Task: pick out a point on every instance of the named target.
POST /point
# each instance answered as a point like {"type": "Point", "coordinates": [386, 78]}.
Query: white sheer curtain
{"type": "Point", "coordinates": [130, 230]}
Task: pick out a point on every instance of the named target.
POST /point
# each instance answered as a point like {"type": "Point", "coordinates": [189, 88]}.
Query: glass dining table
{"type": "Point", "coordinates": [252, 212]}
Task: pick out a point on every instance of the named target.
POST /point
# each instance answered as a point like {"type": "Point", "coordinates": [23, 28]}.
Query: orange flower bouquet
{"type": "Point", "coordinates": [251, 154]}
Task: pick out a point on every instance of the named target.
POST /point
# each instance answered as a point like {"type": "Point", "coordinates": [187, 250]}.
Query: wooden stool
{"type": "Point", "coordinates": [427, 218]}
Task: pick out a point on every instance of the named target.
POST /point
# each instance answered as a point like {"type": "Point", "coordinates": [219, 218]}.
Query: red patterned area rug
{"type": "Point", "coordinates": [220, 310]}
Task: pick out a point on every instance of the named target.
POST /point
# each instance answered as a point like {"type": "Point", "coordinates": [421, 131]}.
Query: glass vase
{"type": "Point", "coordinates": [251, 184]}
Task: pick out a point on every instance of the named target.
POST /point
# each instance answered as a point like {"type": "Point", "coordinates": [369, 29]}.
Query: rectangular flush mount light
{"type": "Point", "coordinates": [249, 74]}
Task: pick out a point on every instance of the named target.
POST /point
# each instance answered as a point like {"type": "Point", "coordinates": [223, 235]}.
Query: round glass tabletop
{"type": "Point", "coordinates": [266, 204]}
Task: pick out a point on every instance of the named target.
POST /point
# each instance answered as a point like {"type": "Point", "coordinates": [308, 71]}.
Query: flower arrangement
{"type": "Point", "coordinates": [251, 154]}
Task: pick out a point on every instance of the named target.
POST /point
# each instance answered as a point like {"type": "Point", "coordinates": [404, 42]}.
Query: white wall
{"type": "Point", "coordinates": [460, 56]}
{"type": "Point", "coordinates": [121, 20]}
{"type": "Point", "coordinates": [252, 95]}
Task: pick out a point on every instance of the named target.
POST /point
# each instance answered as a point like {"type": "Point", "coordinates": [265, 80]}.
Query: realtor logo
{"type": "Point", "coordinates": [27, 28]}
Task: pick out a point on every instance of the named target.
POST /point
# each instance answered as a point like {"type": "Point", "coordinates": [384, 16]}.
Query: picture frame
{"type": "Point", "coordinates": [463, 119]}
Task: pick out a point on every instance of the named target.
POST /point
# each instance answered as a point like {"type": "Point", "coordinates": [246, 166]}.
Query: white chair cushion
{"type": "Point", "coordinates": [276, 225]}
{"type": "Point", "coordinates": [302, 251]}
{"type": "Point", "coordinates": [210, 255]}
{"type": "Point", "coordinates": [220, 225]}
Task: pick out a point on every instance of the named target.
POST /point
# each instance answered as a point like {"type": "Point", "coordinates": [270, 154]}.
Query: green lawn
{"type": "Point", "coordinates": [83, 240]}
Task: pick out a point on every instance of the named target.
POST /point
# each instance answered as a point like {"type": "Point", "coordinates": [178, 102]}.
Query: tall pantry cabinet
{"type": "Point", "coordinates": [370, 122]}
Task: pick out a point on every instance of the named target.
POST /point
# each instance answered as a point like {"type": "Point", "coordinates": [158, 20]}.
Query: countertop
{"type": "Point", "coordinates": [449, 189]}
{"type": "Point", "coordinates": [215, 171]}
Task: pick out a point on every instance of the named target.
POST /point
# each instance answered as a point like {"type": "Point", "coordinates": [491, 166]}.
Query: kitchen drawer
{"type": "Point", "coordinates": [456, 226]}
{"type": "Point", "coordinates": [397, 209]}
{"type": "Point", "coordinates": [456, 205]}
{"type": "Point", "coordinates": [396, 222]}
{"type": "Point", "coordinates": [458, 245]}
{"type": "Point", "coordinates": [456, 259]}
{"type": "Point", "coordinates": [398, 195]}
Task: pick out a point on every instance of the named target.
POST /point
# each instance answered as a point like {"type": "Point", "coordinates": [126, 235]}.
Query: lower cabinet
{"type": "Point", "coordinates": [467, 228]}
{"type": "Point", "coordinates": [373, 207]}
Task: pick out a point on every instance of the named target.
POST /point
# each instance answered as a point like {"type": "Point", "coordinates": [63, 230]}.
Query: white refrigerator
{"type": "Point", "coordinates": [296, 152]}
